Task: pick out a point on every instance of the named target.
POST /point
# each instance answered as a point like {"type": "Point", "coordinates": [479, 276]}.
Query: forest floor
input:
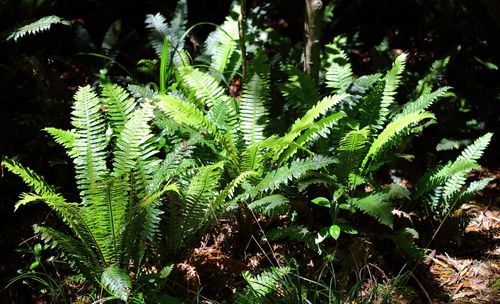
{"type": "Point", "coordinates": [471, 274]}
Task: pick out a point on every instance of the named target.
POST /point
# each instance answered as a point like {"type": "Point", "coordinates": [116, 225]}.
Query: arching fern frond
{"type": "Point", "coordinates": [200, 194]}
{"type": "Point", "coordinates": [186, 113]}
{"type": "Point", "coordinates": [386, 138]}
{"type": "Point", "coordinates": [41, 25]}
{"type": "Point", "coordinates": [422, 103]}
{"type": "Point", "coordinates": [476, 149]}
{"type": "Point", "coordinates": [284, 174]}
{"type": "Point", "coordinates": [79, 257]}
{"type": "Point", "coordinates": [222, 47]}
{"type": "Point", "coordinates": [62, 137]}
{"type": "Point", "coordinates": [271, 205]}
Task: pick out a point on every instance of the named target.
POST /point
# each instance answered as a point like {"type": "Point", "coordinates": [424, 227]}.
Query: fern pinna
{"type": "Point", "coordinates": [115, 163]}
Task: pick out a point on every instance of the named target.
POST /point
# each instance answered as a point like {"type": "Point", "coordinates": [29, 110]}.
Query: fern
{"type": "Point", "coordinates": [256, 94]}
{"type": "Point", "coordinates": [339, 73]}
{"type": "Point", "coordinates": [281, 176]}
{"type": "Point", "coordinates": [222, 48]}
{"type": "Point", "coordinates": [117, 282]}
{"type": "Point", "coordinates": [200, 194]}
{"type": "Point", "coordinates": [386, 138]}
{"type": "Point", "coordinates": [377, 206]}
{"type": "Point", "coordinates": [120, 196]}
{"type": "Point", "coordinates": [204, 86]}
{"type": "Point", "coordinates": [40, 25]}
{"type": "Point", "coordinates": [351, 151]}
{"type": "Point", "coordinates": [119, 106]}
{"type": "Point", "coordinates": [270, 205]}
{"type": "Point", "coordinates": [261, 285]}
{"type": "Point", "coordinates": [186, 113]}
{"type": "Point", "coordinates": [300, 91]}
{"type": "Point", "coordinates": [422, 103]}
{"type": "Point", "coordinates": [476, 149]}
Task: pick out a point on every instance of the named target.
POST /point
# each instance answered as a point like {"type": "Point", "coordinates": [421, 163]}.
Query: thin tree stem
{"type": "Point", "coordinates": [312, 32]}
{"type": "Point", "coordinates": [241, 28]}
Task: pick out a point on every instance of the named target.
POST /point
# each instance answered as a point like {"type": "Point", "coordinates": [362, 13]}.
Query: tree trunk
{"type": "Point", "coordinates": [241, 32]}
{"type": "Point", "coordinates": [312, 32]}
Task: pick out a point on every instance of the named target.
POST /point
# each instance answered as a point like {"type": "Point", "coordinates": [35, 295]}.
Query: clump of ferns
{"type": "Point", "coordinates": [115, 160]}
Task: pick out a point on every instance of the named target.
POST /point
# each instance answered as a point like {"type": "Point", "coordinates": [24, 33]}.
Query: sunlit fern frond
{"type": "Point", "coordinates": [89, 147]}
{"type": "Point", "coordinates": [222, 48]}
{"type": "Point", "coordinates": [119, 106]}
{"type": "Point", "coordinates": [351, 151]}
{"type": "Point", "coordinates": [40, 25]}
{"type": "Point", "coordinates": [390, 136]}
{"type": "Point", "coordinates": [254, 99]}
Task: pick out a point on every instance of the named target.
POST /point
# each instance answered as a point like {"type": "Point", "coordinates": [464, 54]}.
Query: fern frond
{"type": "Point", "coordinates": [33, 180]}
{"type": "Point", "coordinates": [221, 45]}
{"type": "Point", "coordinates": [376, 206]}
{"type": "Point", "coordinates": [476, 149]}
{"type": "Point", "coordinates": [439, 176]}
{"type": "Point", "coordinates": [261, 285]}
{"type": "Point", "coordinates": [339, 76]}
{"type": "Point", "coordinates": [117, 282]}
{"type": "Point", "coordinates": [177, 26]}
{"type": "Point", "coordinates": [279, 145]}
{"type": "Point", "coordinates": [255, 95]}
{"type": "Point", "coordinates": [320, 128]}
{"type": "Point", "coordinates": [79, 257]}
{"type": "Point", "coordinates": [204, 86]}
{"type": "Point", "coordinates": [300, 91]}
{"type": "Point", "coordinates": [89, 148]}
{"type": "Point", "coordinates": [351, 151]}
{"type": "Point", "coordinates": [158, 30]}
{"type": "Point", "coordinates": [62, 137]}
{"type": "Point", "coordinates": [422, 103]}
{"type": "Point", "coordinates": [270, 205]}
{"type": "Point", "coordinates": [185, 113]}
{"type": "Point", "coordinates": [133, 141]}
{"type": "Point", "coordinates": [119, 106]}
{"type": "Point", "coordinates": [40, 25]}
{"type": "Point", "coordinates": [281, 176]}
{"type": "Point", "coordinates": [391, 81]}
{"type": "Point", "coordinates": [308, 119]}
{"type": "Point", "coordinates": [200, 194]}
{"type": "Point", "coordinates": [453, 185]}
{"type": "Point", "coordinates": [386, 138]}
{"type": "Point", "coordinates": [374, 108]}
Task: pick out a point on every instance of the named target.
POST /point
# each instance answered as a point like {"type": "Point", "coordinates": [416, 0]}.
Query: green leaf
{"type": "Point", "coordinates": [334, 231]}
{"type": "Point", "coordinates": [321, 201]}
{"type": "Point", "coordinates": [117, 282]}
